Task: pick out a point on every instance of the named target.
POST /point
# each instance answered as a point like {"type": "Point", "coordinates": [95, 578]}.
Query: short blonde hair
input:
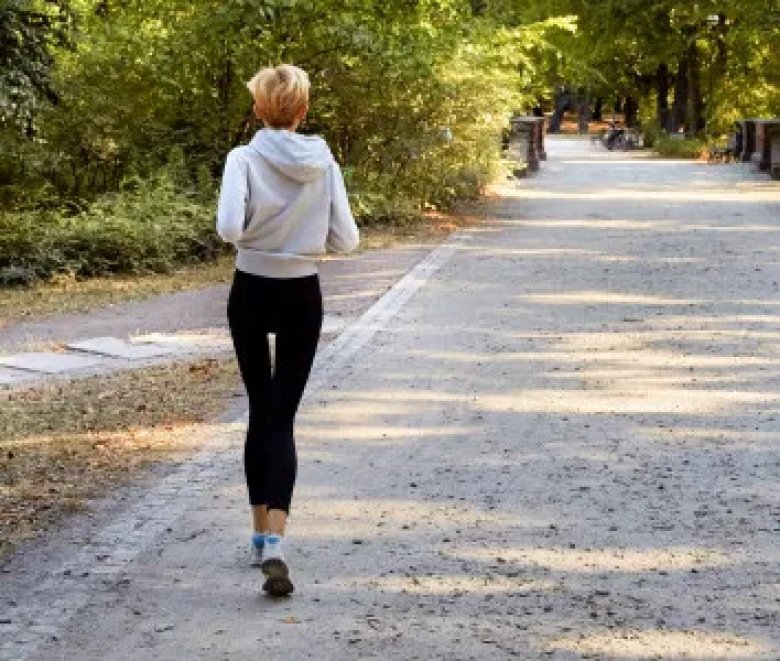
{"type": "Point", "coordinates": [281, 94]}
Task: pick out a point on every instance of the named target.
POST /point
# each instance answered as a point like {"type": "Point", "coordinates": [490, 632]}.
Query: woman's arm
{"type": "Point", "coordinates": [343, 235]}
{"type": "Point", "coordinates": [231, 211]}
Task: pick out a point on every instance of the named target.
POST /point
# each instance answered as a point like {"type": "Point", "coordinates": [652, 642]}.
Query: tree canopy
{"type": "Point", "coordinates": [411, 94]}
{"type": "Point", "coordinates": [693, 66]}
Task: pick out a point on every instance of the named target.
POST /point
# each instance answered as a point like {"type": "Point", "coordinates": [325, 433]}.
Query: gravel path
{"type": "Point", "coordinates": [350, 285]}
{"type": "Point", "coordinates": [178, 326]}
{"type": "Point", "coordinates": [556, 438]}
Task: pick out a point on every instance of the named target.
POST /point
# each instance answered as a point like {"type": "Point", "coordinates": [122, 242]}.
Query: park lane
{"type": "Point", "coordinates": [563, 443]}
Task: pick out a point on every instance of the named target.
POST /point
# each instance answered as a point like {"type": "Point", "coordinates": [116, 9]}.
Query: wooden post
{"type": "Point", "coordinates": [774, 153]}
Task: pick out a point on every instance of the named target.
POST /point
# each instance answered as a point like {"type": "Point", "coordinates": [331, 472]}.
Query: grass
{"type": "Point", "coordinates": [65, 442]}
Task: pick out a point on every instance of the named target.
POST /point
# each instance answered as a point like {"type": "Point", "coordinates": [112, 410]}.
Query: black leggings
{"type": "Point", "coordinates": [292, 309]}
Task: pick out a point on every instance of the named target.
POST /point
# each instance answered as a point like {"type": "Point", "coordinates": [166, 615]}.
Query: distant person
{"type": "Point", "coordinates": [282, 203]}
{"type": "Point", "coordinates": [613, 135]}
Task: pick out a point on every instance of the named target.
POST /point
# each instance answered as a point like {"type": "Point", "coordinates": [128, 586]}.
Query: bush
{"type": "Point", "coordinates": [676, 148]}
{"type": "Point", "coordinates": [651, 133]}
{"type": "Point", "coordinates": [371, 208]}
{"type": "Point", "coordinates": [148, 227]}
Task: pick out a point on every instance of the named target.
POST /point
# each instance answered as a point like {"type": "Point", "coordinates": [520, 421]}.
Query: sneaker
{"type": "Point", "coordinates": [278, 583]}
{"type": "Point", "coordinates": [258, 544]}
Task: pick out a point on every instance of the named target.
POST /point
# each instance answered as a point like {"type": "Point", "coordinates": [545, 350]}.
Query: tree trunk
{"type": "Point", "coordinates": [631, 110]}
{"type": "Point", "coordinates": [479, 7]}
{"type": "Point", "coordinates": [224, 81]}
{"type": "Point", "coordinates": [245, 130]}
{"type": "Point", "coordinates": [721, 49]}
{"type": "Point", "coordinates": [717, 72]}
{"type": "Point", "coordinates": [677, 118]}
{"type": "Point", "coordinates": [598, 110]}
{"type": "Point", "coordinates": [695, 113]}
{"type": "Point", "coordinates": [662, 96]}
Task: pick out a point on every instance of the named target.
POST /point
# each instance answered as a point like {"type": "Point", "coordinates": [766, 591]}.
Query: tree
{"type": "Point", "coordinates": [690, 66]}
{"type": "Point", "coordinates": [29, 32]}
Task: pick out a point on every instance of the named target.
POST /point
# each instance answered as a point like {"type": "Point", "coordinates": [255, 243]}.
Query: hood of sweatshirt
{"type": "Point", "coordinates": [300, 157]}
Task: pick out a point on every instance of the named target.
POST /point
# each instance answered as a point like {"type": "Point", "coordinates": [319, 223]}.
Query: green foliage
{"type": "Point", "coordinates": [29, 31]}
{"type": "Point", "coordinates": [671, 147]}
{"type": "Point", "coordinates": [148, 226]}
{"type": "Point", "coordinates": [412, 97]}
{"type": "Point", "coordinates": [651, 134]}
{"type": "Point", "coordinates": [382, 208]}
{"type": "Point", "coordinates": [711, 62]}
{"type": "Point", "coordinates": [98, 97]}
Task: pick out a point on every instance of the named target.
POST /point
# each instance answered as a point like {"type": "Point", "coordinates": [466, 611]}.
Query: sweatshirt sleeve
{"type": "Point", "coordinates": [231, 211]}
{"type": "Point", "coordinates": [343, 235]}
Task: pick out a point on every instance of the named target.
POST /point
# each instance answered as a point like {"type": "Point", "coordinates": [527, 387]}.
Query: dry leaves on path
{"type": "Point", "coordinates": [64, 442]}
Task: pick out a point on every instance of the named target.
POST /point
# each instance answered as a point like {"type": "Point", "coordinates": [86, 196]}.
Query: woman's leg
{"type": "Point", "coordinates": [260, 518]}
{"type": "Point", "coordinates": [296, 345]}
{"type": "Point", "coordinates": [249, 328]}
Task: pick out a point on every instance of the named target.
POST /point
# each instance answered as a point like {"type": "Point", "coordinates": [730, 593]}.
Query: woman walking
{"type": "Point", "coordinates": [282, 203]}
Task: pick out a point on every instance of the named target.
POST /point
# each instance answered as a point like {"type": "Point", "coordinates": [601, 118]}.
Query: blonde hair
{"type": "Point", "coordinates": [281, 94]}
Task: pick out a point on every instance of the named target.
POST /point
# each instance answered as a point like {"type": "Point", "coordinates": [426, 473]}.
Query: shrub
{"type": "Point", "coordinates": [148, 227]}
{"type": "Point", "coordinates": [676, 148]}
{"type": "Point", "coordinates": [651, 133]}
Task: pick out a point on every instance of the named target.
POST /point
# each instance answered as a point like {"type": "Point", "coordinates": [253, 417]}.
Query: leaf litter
{"type": "Point", "coordinates": [65, 442]}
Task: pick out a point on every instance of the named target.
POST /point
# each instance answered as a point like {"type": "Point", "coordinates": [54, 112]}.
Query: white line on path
{"type": "Point", "coordinates": [46, 607]}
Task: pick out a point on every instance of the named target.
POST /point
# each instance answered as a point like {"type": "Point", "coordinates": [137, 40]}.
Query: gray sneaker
{"type": "Point", "coordinates": [274, 566]}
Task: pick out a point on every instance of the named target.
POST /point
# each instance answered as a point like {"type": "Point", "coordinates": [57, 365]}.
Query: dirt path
{"type": "Point", "coordinates": [556, 438]}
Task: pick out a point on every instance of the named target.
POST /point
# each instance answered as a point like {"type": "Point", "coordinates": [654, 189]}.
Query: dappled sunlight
{"type": "Point", "coordinates": [650, 260]}
{"type": "Point", "coordinates": [660, 643]}
{"type": "Point", "coordinates": [642, 379]}
{"type": "Point", "coordinates": [697, 227]}
{"type": "Point", "coordinates": [644, 400]}
{"type": "Point", "coordinates": [601, 560]}
{"type": "Point", "coordinates": [654, 194]}
{"type": "Point", "coordinates": [179, 433]}
{"type": "Point", "coordinates": [596, 256]}
{"type": "Point", "coordinates": [485, 251]}
{"type": "Point", "coordinates": [591, 223]}
{"type": "Point", "coordinates": [630, 359]}
{"type": "Point", "coordinates": [563, 431]}
{"type": "Point", "coordinates": [352, 411]}
{"type": "Point", "coordinates": [356, 294]}
{"type": "Point", "coordinates": [641, 336]}
{"type": "Point", "coordinates": [379, 432]}
{"type": "Point", "coordinates": [454, 585]}
{"type": "Point", "coordinates": [364, 275]}
{"type": "Point", "coordinates": [400, 395]}
{"type": "Point", "coordinates": [724, 320]}
{"type": "Point", "coordinates": [633, 161]}
{"type": "Point", "coordinates": [662, 226]}
{"type": "Point", "coordinates": [753, 302]}
{"type": "Point", "coordinates": [752, 438]}
{"type": "Point", "coordinates": [604, 298]}
{"type": "Point", "coordinates": [334, 518]}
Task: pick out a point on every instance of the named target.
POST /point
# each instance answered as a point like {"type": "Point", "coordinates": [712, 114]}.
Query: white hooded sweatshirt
{"type": "Point", "coordinates": [282, 203]}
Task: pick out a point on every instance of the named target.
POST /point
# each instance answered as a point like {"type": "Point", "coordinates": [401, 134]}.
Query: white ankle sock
{"type": "Point", "coordinates": [273, 546]}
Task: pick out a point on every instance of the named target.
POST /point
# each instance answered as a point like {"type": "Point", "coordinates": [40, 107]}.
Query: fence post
{"type": "Point", "coordinates": [773, 138]}
{"type": "Point", "coordinates": [527, 140]}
